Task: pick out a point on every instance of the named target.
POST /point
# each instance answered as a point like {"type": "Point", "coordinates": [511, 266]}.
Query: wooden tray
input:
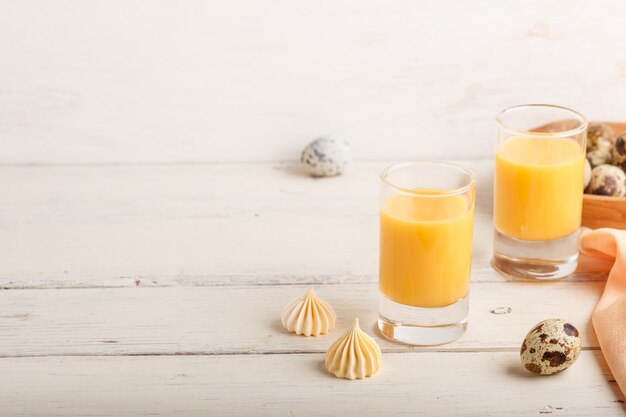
{"type": "Point", "coordinates": [602, 211]}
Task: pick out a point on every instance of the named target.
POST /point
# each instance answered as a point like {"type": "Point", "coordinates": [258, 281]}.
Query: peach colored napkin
{"type": "Point", "coordinates": [605, 249]}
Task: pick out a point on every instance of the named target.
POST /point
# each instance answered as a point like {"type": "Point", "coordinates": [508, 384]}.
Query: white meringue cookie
{"type": "Point", "coordinates": [309, 315]}
{"type": "Point", "coordinates": [355, 355]}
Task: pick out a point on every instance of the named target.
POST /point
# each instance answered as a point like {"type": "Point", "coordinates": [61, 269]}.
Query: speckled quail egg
{"type": "Point", "coordinates": [600, 157]}
{"type": "Point", "coordinates": [607, 180]}
{"type": "Point", "coordinates": [551, 346]}
{"type": "Point", "coordinates": [599, 132]}
{"type": "Point", "coordinates": [587, 176]}
{"type": "Point", "coordinates": [602, 153]}
{"type": "Point", "coordinates": [326, 156]}
{"type": "Point", "coordinates": [619, 151]}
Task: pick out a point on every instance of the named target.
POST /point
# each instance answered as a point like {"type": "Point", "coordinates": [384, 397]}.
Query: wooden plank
{"type": "Point", "coordinates": [414, 384]}
{"type": "Point", "coordinates": [244, 80]}
{"type": "Point", "coordinates": [246, 320]}
{"type": "Point", "coordinates": [213, 224]}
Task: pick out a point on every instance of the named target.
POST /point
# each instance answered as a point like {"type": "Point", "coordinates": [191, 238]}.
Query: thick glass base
{"type": "Point", "coordinates": [549, 259]}
{"type": "Point", "coordinates": [420, 326]}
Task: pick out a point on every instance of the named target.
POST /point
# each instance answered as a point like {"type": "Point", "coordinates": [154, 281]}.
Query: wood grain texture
{"type": "Point", "coordinates": [207, 256]}
{"type": "Point", "coordinates": [212, 224]}
{"type": "Point", "coordinates": [601, 211]}
{"type": "Point", "coordinates": [163, 81]}
{"type": "Point", "coordinates": [410, 384]}
{"type": "Point", "coordinates": [245, 320]}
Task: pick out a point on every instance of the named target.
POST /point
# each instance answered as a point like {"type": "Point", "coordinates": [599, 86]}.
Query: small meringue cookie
{"type": "Point", "coordinates": [355, 355]}
{"type": "Point", "coordinates": [309, 315]}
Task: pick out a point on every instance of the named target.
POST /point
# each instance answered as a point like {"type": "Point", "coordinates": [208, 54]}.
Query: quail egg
{"type": "Point", "coordinates": [587, 176]}
{"type": "Point", "coordinates": [600, 156]}
{"type": "Point", "coordinates": [602, 153]}
{"type": "Point", "coordinates": [619, 151]}
{"type": "Point", "coordinates": [599, 132]}
{"type": "Point", "coordinates": [607, 180]}
{"type": "Point", "coordinates": [551, 346]}
{"type": "Point", "coordinates": [326, 156]}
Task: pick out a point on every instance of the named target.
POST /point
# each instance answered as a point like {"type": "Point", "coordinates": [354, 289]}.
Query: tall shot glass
{"type": "Point", "coordinates": [538, 190]}
{"type": "Point", "coordinates": [426, 228]}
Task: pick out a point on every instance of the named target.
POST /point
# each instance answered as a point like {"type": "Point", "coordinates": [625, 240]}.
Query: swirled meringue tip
{"type": "Point", "coordinates": [308, 315]}
{"type": "Point", "coordinates": [355, 355]}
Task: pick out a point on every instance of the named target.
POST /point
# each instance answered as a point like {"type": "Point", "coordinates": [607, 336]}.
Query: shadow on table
{"type": "Point", "coordinates": [294, 169]}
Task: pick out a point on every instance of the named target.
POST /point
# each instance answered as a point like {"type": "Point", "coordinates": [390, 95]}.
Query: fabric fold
{"type": "Point", "coordinates": [605, 249]}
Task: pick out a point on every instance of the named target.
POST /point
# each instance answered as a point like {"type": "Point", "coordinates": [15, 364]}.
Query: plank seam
{"type": "Point", "coordinates": [247, 281]}
{"type": "Point", "coordinates": [264, 353]}
{"type": "Point", "coordinates": [200, 163]}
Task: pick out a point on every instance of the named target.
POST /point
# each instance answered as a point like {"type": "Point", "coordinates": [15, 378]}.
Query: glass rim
{"type": "Point", "coordinates": [558, 134]}
{"type": "Point", "coordinates": [470, 176]}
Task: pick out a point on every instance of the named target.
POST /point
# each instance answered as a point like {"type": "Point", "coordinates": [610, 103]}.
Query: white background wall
{"type": "Point", "coordinates": [170, 81]}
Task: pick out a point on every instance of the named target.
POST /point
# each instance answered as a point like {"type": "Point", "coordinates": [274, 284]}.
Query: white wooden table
{"type": "Point", "coordinates": [157, 290]}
